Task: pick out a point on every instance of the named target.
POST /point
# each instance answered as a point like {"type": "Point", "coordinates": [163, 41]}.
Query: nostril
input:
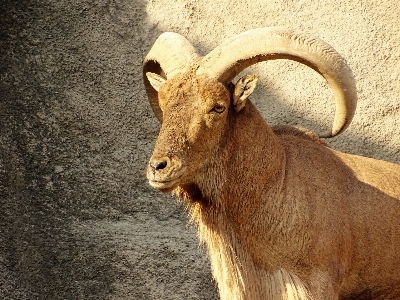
{"type": "Point", "coordinates": [161, 165]}
{"type": "Point", "coordinates": [158, 165]}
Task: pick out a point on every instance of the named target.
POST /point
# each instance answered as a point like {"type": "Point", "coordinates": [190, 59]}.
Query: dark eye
{"type": "Point", "coordinates": [218, 109]}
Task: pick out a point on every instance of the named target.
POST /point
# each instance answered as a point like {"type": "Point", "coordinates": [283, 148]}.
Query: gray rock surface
{"type": "Point", "coordinates": [78, 219]}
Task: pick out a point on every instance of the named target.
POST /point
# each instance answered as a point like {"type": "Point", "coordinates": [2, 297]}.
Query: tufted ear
{"type": "Point", "coordinates": [156, 80]}
{"type": "Point", "coordinates": [243, 89]}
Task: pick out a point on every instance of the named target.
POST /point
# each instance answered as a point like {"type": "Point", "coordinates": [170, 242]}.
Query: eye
{"type": "Point", "coordinates": [218, 109]}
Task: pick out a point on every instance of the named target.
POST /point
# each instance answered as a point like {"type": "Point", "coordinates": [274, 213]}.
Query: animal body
{"type": "Point", "coordinates": [283, 216]}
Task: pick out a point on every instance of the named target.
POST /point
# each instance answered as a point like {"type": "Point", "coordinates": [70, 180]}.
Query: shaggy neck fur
{"type": "Point", "coordinates": [240, 274]}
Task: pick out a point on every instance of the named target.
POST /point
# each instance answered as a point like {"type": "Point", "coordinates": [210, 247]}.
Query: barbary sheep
{"type": "Point", "coordinates": [283, 216]}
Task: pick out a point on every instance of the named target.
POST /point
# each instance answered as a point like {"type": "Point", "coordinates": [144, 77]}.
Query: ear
{"type": "Point", "coordinates": [243, 89]}
{"type": "Point", "coordinates": [156, 80]}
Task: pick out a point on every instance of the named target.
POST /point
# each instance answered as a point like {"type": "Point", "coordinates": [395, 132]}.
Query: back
{"type": "Point", "coordinates": [355, 205]}
{"type": "Point", "coordinates": [375, 224]}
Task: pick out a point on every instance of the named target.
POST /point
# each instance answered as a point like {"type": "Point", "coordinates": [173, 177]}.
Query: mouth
{"type": "Point", "coordinates": [167, 178]}
{"type": "Point", "coordinates": [164, 185]}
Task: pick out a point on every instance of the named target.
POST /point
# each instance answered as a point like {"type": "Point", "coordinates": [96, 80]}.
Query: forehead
{"type": "Point", "coordinates": [189, 87]}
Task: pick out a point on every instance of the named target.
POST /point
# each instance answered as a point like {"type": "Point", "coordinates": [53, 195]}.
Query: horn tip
{"type": "Point", "coordinates": [328, 134]}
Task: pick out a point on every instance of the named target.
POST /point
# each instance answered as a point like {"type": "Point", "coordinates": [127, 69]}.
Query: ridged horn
{"type": "Point", "coordinates": [171, 54]}
{"type": "Point", "coordinates": [230, 58]}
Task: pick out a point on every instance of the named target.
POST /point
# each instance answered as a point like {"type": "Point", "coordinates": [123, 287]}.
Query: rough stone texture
{"type": "Point", "coordinates": [78, 219]}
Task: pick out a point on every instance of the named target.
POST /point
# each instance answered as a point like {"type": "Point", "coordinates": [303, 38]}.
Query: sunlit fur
{"type": "Point", "coordinates": [283, 216]}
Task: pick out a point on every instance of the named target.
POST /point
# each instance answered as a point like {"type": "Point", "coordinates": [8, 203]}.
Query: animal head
{"type": "Point", "coordinates": [195, 101]}
{"type": "Point", "coordinates": [196, 112]}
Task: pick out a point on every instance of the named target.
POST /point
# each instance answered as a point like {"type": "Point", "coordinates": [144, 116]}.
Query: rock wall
{"type": "Point", "coordinates": [78, 219]}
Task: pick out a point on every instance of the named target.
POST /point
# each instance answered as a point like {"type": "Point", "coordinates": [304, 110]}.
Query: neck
{"type": "Point", "coordinates": [227, 199]}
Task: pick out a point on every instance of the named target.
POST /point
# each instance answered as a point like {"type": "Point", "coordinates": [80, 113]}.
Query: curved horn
{"type": "Point", "coordinates": [171, 54]}
{"type": "Point", "coordinates": [230, 58]}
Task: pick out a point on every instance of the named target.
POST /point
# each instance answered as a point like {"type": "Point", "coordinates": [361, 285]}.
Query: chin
{"type": "Point", "coordinates": [166, 190]}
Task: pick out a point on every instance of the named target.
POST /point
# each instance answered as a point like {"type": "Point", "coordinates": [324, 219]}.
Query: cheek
{"type": "Point", "coordinates": [205, 133]}
{"type": "Point", "coordinates": [211, 122]}
{"type": "Point", "coordinates": [197, 131]}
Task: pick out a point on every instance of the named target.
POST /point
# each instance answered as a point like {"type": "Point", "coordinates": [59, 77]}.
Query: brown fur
{"type": "Point", "coordinates": [283, 215]}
